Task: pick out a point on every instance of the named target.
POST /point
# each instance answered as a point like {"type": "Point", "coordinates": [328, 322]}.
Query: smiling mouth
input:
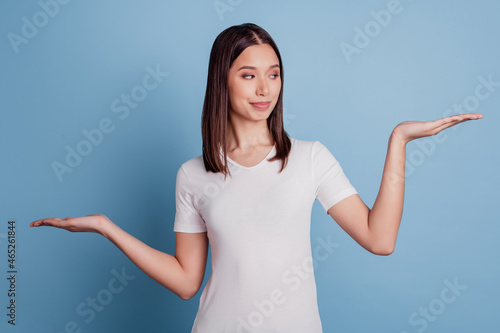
{"type": "Point", "coordinates": [261, 105]}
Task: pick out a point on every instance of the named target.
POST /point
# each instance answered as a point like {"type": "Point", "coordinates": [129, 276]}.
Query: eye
{"type": "Point", "coordinates": [248, 76]}
{"type": "Point", "coordinates": [274, 76]}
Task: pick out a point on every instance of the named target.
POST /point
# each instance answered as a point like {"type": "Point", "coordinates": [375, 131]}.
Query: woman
{"type": "Point", "coordinates": [251, 193]}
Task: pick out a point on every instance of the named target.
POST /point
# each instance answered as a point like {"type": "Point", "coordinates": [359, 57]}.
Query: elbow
{"type": "Point", "coordinates": [187, 293]}
{"type": "Point", "coordinates": [384, 252]}
{"type": "Point", "coordinates": [382, 249]}
{"type": "Point", "coordinates": [185, 297]}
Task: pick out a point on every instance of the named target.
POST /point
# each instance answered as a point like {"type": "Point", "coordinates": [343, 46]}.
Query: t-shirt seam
{"type": "Point", "coordinates": [195, 205]}
{"type": "Point", "coordinates": [317, 188]}
{"type": "Point", "coordinates": [313, 155]}
{"type": "Point", "coordinates": [254, 167]}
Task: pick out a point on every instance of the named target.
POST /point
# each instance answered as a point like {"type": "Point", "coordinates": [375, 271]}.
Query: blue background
{"type": "Point", "coordinates": [64, 78]}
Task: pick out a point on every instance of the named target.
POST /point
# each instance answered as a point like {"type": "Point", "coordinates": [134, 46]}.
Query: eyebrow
{"type": "Point", "coordinates": [252, 67]}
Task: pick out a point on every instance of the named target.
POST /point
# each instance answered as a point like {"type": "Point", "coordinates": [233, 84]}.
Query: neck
{"type": "Point", "coordinates": [248, 134]}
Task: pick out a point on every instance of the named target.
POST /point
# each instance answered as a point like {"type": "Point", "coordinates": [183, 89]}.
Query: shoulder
{"type": "Point", "coordinates": [193, 163]}
{"type": "Point", "coordinates": [306, 146]}
{"type": "Point", "coordinates": [192, 168]}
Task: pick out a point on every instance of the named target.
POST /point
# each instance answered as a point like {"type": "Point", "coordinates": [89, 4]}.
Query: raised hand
{"type": "Point", "coordinates": [89, 223]}
{"type": "Point", "coordinates": [411, 130]}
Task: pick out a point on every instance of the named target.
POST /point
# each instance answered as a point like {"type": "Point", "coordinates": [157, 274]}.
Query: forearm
{"type": "Point", "coordinates": [385, 216]}
{"type": "Point", "coordinates": [161, 267]}
{"type": "Point", "coordinates": [376, 229]}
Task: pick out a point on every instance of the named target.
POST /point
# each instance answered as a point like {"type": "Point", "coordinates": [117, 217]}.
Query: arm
{"type": "Point", "coordinates": [182, 274]}
{"type": "Point", "coordinates": [376, 229]}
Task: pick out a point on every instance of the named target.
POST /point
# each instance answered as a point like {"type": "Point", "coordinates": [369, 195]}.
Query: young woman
{"type": "Point", "coordinates": [251, 193]}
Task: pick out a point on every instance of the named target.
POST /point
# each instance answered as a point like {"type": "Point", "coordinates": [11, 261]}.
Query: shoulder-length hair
{"type": "Point", "coordinates": [226, 48]}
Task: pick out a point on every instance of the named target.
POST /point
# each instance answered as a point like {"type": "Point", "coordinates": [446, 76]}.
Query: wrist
{"type": "Point", "coordinates": [104, 226]}
{"type": "Point", "coordinates": [397, 138]}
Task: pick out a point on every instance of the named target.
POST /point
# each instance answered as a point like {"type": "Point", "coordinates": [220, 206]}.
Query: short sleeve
{"type": "Point", "coordinates": [187, 218]}
{"type": "Point", "coordinates": [330, 182]}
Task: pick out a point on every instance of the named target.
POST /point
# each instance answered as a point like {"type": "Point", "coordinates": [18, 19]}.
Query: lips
{"type": "Point", "coordinates": [261, 105]}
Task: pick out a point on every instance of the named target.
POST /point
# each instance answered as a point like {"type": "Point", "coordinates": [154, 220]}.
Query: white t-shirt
{"type": "Point", "coordinates": [258, 225]}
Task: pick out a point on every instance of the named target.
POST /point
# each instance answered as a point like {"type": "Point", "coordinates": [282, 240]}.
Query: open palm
{"type": "Point", "coordinates": [89, 223]}
{"type": "Point", "coordinates": [411, 130]}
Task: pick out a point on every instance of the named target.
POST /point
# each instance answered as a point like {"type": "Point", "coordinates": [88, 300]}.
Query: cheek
{"type": "Point", "coordinates": [241, 92]}
{"type": "Point", "coordinates": [236, 97]}
{"type": "Point", "coordinates": [277, 87]}
{"type": "Point", "coordinates": [234, 94]}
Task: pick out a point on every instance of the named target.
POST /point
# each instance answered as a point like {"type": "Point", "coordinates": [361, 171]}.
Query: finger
{"type": "Point", "coordinates": [435, 126]}
{"type": "Point", "coordinates": [463, 116]}
{"type": "Point", "coordinates": [474, 115]}
{"type": "Point", "coordinates": [37, 223]}
{"type": "Point", "coordinates": [452, 122]}
{"type": "Point", "coordinates": [470, 116]}
{"type": "Point", "coordinates": [444, 123]}
{"type": "Point", "coordinates": [53, 222]}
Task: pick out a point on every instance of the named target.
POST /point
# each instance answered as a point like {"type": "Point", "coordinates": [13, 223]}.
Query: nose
{"type": "Point", "coordinates": [262, 88]}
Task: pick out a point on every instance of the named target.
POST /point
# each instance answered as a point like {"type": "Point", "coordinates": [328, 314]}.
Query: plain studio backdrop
{"type": "Point", "coordinates": [101, 104]}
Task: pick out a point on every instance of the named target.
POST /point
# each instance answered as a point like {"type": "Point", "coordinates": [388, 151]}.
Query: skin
{"type": "Point", "coordinates": [253, 77]}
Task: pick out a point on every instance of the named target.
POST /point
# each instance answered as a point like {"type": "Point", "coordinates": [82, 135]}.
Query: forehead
{"type": "Point", "coordinates": [261, 55]}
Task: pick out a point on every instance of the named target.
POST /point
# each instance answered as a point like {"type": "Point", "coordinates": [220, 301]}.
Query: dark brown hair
{"type": "Point", "coordinates": [226, 48]}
